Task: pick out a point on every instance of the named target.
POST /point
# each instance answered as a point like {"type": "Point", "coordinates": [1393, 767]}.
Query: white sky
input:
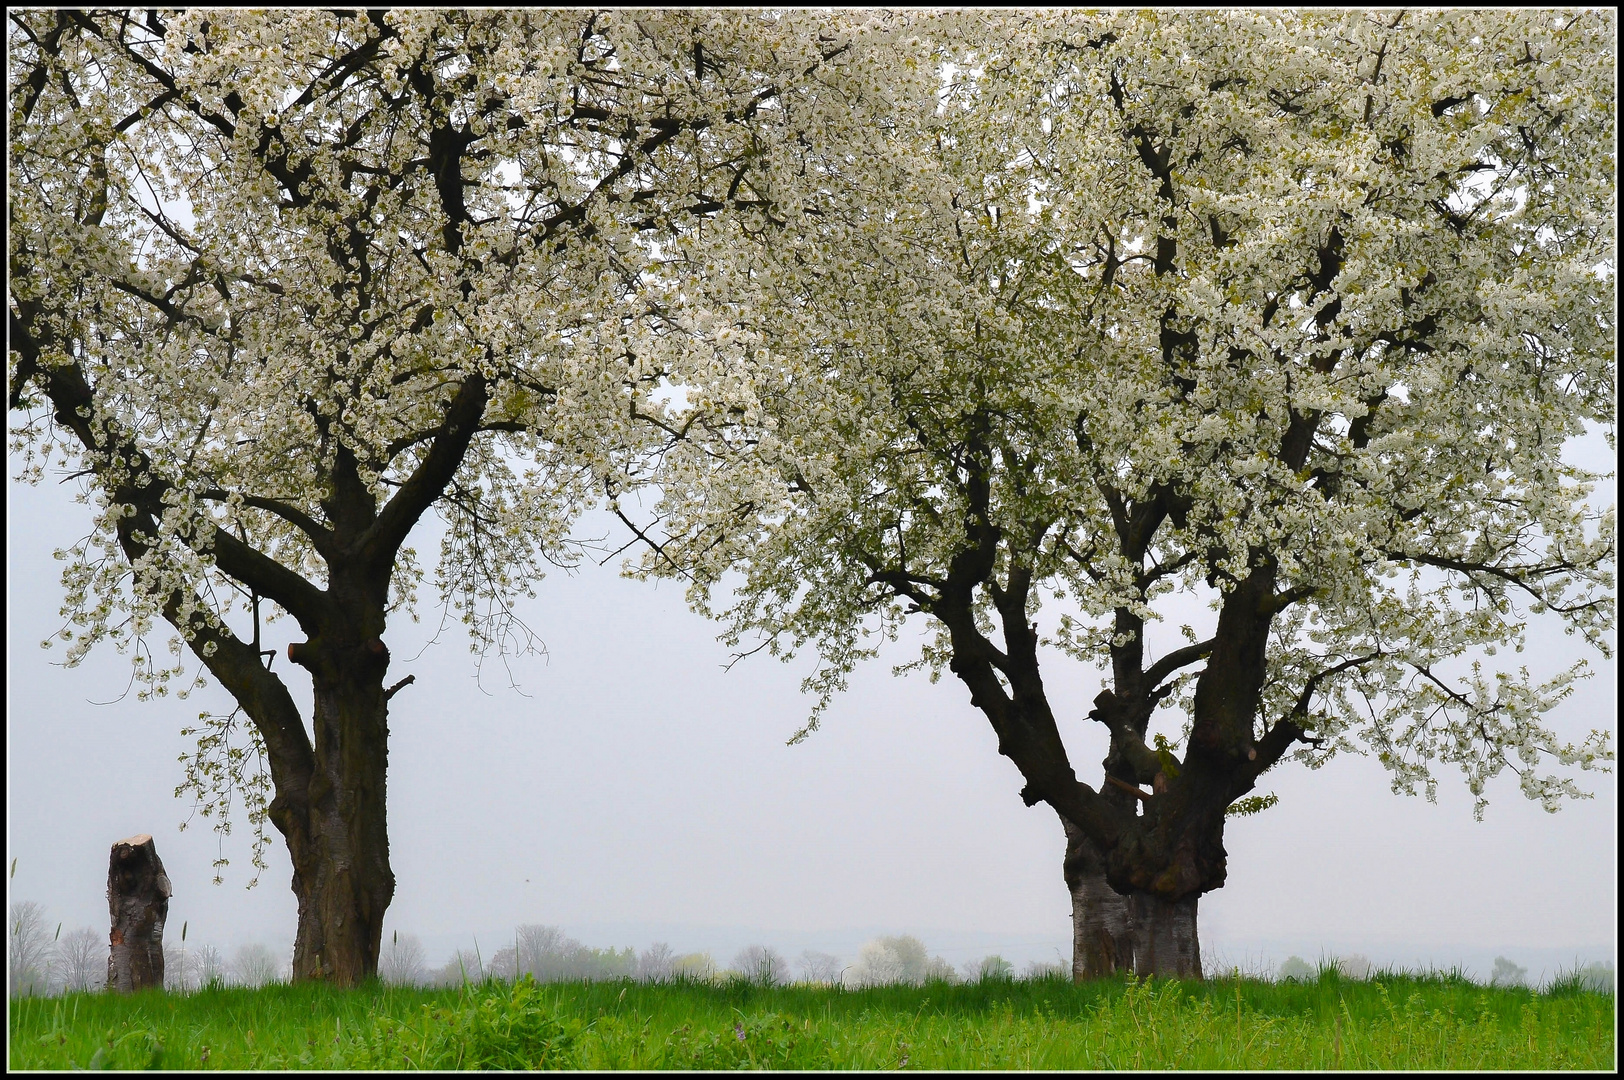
{"type": "Point", "coordinates": [640, 793]}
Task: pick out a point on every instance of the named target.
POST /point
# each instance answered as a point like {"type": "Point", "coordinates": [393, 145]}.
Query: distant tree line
{"type": "Point", "coordinates": [547, 954]}
{"type": "Point", "coordinates": [43, 960]}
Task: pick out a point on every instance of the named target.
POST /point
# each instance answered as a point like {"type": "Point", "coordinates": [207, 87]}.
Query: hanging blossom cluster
{"type": "Point", "coordinates": [260, 252]}
{"type": "Point", "coordinates": [1135, 304]}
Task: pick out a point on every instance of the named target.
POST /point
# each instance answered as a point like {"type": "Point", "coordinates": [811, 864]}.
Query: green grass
{"type": "Point", "coordinates": [1393, 1021]}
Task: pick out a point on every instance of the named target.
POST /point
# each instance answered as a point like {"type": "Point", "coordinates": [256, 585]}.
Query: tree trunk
{"type": "Point", "coordinates": [1165, 942]}
{"type": "Point", "coordinates": [138, 894]}
{"type": "Point", "coordinates": [339, 844]}
{"type": "Point", "coordinates": [1102, 938]}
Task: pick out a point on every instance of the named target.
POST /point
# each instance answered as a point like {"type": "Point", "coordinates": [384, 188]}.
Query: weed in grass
{"type": "Point", "coordinates": [766, 1041]}
{"type": "Point", "coordinates": [497, 1026]}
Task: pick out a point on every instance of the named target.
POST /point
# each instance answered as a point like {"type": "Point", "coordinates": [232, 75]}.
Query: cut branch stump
{"type": "Point", "coordinates": [138, 894]}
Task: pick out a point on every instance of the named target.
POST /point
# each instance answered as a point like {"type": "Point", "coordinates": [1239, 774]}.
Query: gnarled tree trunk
{"type": "Point", "coordinates": [337, 833]}
{"type": "Point", "coordinates": [1114, 934]}
{"type": "Point", "coordinates": [1102, 938]}
{"type": "Point", "coordinates": [138, 894]}
{"type": "Point", "coordinates": [1165, 942]}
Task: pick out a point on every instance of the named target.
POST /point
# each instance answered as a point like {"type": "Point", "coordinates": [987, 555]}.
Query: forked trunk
{"type": "Point", "coordinates": [1102, 939]}
{"type": "Point", "coordinates": [1165, 941]}
{"type": "Point", "coordinates": [340, 852]}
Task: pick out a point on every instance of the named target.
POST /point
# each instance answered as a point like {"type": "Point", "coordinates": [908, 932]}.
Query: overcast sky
{"type": "Point", "coordinates": [631, 790]}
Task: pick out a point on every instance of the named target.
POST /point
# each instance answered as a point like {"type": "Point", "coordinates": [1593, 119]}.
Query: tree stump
{"type": "Point", "coordinates": [138, 894]}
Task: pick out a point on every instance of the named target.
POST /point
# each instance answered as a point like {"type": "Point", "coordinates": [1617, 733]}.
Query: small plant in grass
{"type": "Point", "coordinates": [757, 1042]}
{"type": "Point", "coordinates": [126, 1047]}
{"type": "Point", "coordinates": [494, 1026]}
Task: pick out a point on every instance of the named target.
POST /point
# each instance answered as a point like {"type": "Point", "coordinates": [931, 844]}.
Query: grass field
{"type": "Point", "coordinates": [1391, 1021]}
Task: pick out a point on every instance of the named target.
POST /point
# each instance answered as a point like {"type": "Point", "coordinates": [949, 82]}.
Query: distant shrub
{"type": "Point", "coordinates": [696, 965]}
{"type": "Point", "coordinates": [255, 965]}
{"type": "Point", "coordinates": [81, 960]}
{"type": "Point", "coordinates": [1597, 977]}
{"type": "Point", "coordinates": [1592, 978]}
{"type": "Point", "coordinates": [548, 954]}
{"type": "Point", "coordinates": [1353, 967]}
{"type": "Point", "coordinates": [1296, 969]}
{"type": "Point", "coordinates": [29, 950]}
{"type": "Point", "coordinates": [654, 963]}
{"type": "Point", "coordinates": [1507, 973]}
{"type": "Point", "coordinates": [210, 967]}
{"type": "Point", "coordinates": [463, 967]}
{"type": "Point", "coordinates": [180, 968]}
{"type": "Point", "coordinates": [818, 967]}
{"type": "Point", "coordinates": [761, 964]}
{"type": "Point", "coordinates": [401, 961]}
{"type": "Point", "coordinates": [992, 968]}
{"type": "Point", "coordinates": [900, 959]}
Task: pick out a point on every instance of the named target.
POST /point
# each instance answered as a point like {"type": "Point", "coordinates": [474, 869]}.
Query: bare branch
{"type": "Point", "coordinates": [1176, 659]}
{"type": "Point", "coordinates": [319, 535]}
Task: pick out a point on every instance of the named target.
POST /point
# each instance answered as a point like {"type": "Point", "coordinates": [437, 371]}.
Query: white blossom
{"type": "Point", "coordinates": [1325, 292]}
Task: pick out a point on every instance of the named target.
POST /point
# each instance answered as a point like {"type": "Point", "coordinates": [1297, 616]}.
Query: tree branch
{"type": "Point", "coordinates": [1280, 601]}
{"type": "Point", "coordinates": [75, 408]}
{"type": "Point", "coordinates": [382, 539]}
{"type": "Point", "coordinates": [1303, 699]}
{"type": "Point", "coordinates": [262, 695]}
{"type": "Point", "coordinates": [1176, 659]}
{"type": "Point", "coordinates": [319, 535]}
{"type": "Point", "coordinates": [1136, 792]}
{"type": "Point", "coordinates": [1286, 731]}
{"type": "Point", "coordinates": [905, 584]}
{"type": "Point", "coordinates": [1509, 576]}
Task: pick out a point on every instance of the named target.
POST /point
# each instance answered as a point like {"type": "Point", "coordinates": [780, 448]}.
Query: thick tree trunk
{"type": "Point", "coordinates": [138, 894]}
{"type": "Point", "coordinates": [339, 844]}
{"type": "Point", "coordinates": [1102, 937]}
{"type": "Point", "coordinates": [1166, 943]}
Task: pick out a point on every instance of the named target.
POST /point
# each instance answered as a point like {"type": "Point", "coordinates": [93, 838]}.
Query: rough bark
{"type": "Point", "coordinates": [1177, 849]}
{"type": "Point", "coordinates": [1165, 943]}
{"type": "Point", "coordinates": [138, 894]}
{"type": "Point", "coordinates": [1102, 938]}
{"type": "Point", "coordinates": [338, 839]}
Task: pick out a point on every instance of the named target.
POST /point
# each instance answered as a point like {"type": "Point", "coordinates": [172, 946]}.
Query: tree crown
{"type": "Point", "coordinates": [1148, 316]}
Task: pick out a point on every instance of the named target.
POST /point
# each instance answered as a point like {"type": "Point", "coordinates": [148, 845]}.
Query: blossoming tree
{"type": "Point", "coordinates": [1290, 312]}
{"type": "Point", "coordinates": [282, 283]}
